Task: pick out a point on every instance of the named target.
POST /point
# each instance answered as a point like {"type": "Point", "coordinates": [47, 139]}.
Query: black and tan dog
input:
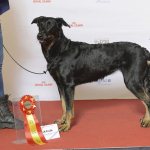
{"type": "Point", "coordinates": [72, 63]}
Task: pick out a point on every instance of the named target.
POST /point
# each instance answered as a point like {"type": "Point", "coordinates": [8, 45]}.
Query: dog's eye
{"type": "Point", "coordinates": [41, 26]}
{"type": "Point", "coordinates": [48, 23]}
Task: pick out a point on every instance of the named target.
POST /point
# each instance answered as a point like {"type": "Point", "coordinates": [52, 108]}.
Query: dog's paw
{"type": "Point", "coordinates": [145, 123]}
{"type": "Point", "coordinates": [64, 127]}
{"type": "Point", "coordinates": [59, 121]}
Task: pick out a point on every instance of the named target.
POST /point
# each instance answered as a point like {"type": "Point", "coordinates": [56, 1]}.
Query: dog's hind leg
{"type": "Point", "coordinates": [145, 121]}
{"type": "Point", "coordinates": [135, 79]}
{"type": "Point", "coordinates": [141, 94]}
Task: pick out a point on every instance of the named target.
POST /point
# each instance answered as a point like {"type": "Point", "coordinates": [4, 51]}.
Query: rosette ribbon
{"type": "Point", "coordinates": [33, 132]}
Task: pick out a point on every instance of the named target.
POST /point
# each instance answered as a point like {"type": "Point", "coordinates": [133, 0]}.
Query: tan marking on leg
{"type": "Point", "coordinates": [145, 122]}
{"type": "Point", "coordinates": [147, 115]}
{"type": "Point", "coordinates": [66, 117]}
{"type": "Point", "coordinates": [67, 123]}
{"type": "Point", "coordinates": [72, 110]}
{"type": "Point", "coordinates": [63, 105]}
{"type": "Point", "coordinates": [63, 118]}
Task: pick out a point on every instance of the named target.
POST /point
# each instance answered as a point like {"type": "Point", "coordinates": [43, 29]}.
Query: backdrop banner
{"type": "Point", "coordinates": [92, 21]}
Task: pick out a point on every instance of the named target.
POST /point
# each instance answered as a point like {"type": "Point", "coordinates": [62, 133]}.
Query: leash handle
{"type": "Point", "coordinates": [44, 72]}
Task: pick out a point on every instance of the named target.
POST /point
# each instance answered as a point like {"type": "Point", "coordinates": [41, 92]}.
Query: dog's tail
{"type": "Point", "coordinates": [148, 56]}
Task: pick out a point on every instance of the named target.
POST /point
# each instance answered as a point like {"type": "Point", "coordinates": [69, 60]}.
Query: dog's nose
{"type": "Point", "coordinates": [39, 36]}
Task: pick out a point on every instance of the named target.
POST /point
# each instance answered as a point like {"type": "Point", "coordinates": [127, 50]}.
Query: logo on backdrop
{"type": "Point", "coordinates": [105, 81]}
{"type": "Point", "coordinates": [43, 84]}
{"type": "Point", "coordinates": [76, 24]}
{"type": "Point", "coordinates": [101, 41]}
{"type": "Point", "coordinates": [41, 1]}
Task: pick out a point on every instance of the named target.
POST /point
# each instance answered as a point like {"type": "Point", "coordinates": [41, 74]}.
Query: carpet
{"type": "Point", "coordinates": [98, 124]}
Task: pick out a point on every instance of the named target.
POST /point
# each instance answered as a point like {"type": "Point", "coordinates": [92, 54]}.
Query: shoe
{"type": "Point", "coordinates": [7, 119]}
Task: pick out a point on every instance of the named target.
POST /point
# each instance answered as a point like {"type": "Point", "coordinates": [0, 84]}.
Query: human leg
{"type": "Point", "coordinates": [6, 117]}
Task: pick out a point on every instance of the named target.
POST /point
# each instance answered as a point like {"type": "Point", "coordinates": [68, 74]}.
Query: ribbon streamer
{"type": "Point", "coordinates": [33, 130]}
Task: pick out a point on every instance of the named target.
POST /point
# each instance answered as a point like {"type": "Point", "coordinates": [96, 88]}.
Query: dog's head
{"type": "Point", "coordinates": [49, 28]}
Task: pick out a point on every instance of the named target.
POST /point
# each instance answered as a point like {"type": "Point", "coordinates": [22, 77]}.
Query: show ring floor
{"type": "Point", "coordinates": [97, 124]}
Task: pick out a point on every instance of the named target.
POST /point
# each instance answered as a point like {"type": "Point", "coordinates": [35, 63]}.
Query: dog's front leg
{"type": "Point", "coordinates": [67, 97]}
{"type": "Point", "coordinates": [61, 93]}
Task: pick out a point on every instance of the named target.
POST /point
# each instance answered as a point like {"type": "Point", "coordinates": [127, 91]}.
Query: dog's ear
{"type": "Point", "coordinates": [60, 22]}
{"type": "Point", "coordinates": [36, 20]}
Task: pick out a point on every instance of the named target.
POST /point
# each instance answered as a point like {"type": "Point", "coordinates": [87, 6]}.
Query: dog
{"type": "Point", "coordinates": [72, 63]}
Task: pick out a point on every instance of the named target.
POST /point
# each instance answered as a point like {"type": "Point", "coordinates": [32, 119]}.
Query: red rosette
{"type": "Point", "coordinates": [33, 130]}
{"type": "Point", "coordinates": [27, 104]}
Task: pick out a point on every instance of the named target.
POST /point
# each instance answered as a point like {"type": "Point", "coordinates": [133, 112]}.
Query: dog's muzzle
{"type": "Point", "coordinates": [45, 39]}
{"type": "Point", "coordinates": [40, 38]}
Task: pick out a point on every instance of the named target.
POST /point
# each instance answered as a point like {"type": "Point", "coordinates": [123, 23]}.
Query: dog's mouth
{"type": "Point", "coordinates": [48, 39]}
{"type": "Point", "coordinates": [41, 41]}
